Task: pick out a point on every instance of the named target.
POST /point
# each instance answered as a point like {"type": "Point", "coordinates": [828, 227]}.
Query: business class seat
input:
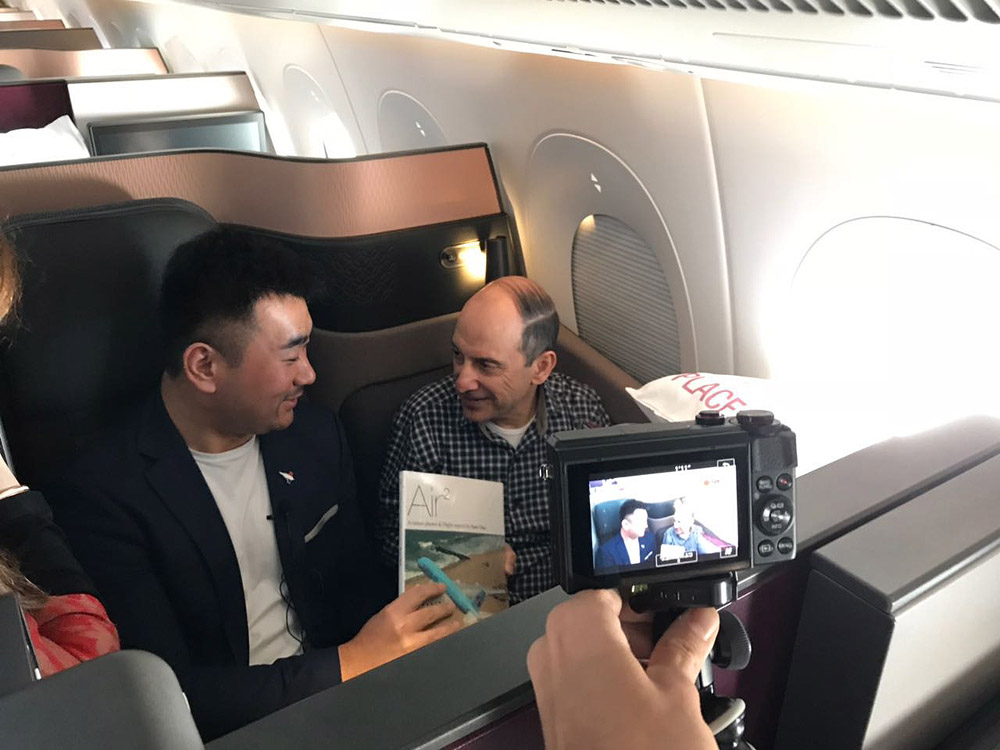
{"type": "Point", "coordinates": [33, 104]}
{"type": "Point", "coordinates": [84, 349]}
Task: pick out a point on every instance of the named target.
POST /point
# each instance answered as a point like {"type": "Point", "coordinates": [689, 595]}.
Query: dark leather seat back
{"type": "Point", "coordinates": [84, 346]}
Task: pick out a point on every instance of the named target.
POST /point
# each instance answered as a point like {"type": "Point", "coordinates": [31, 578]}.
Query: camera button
{"type": "Point", "coordinates": [785, 545]}
{"type": "Point", "coordinates": [765, 548]}
{"type": "Point", "coordinates": [779, 517]}
{"type": "Point", "coordinates": [764, 484]}
{"type": "Point", "coordinates": [709, 418]}
{"type": "Point", "coordinates": [785, 482]}
{"type": "Point", "coordinates": [774, 514]}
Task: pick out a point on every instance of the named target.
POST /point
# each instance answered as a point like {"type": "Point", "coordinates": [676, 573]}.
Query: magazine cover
{"type": "Point", "coordinates": [451, 532]}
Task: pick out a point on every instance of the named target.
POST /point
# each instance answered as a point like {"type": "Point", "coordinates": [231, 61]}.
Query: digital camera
{"type": "Point", "coordinates": [678, 503]}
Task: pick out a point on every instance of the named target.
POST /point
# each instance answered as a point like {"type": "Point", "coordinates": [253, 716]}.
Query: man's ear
{"type": "Point", "coordinates": [202, 364]}
{"type": "Point", "coordinates": [543, 366]}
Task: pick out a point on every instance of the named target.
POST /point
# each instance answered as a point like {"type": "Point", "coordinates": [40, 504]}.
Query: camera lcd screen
{"type": "Point", "coordinates": [668, 519]}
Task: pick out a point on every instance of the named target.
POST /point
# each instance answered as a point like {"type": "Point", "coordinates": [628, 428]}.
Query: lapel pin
{"type": "Point", "coordinates": [287, 476]}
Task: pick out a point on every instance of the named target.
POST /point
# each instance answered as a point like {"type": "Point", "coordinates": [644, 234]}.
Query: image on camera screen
{"type": "Point", "coordinates": [682, 515]}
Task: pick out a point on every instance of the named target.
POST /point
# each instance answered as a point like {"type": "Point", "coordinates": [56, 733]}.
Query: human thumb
{"type": "Point", "coordinates": [684, 646]}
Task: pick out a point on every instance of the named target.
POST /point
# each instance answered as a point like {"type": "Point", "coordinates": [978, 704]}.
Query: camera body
{"type": "Point", "coordinates": [676, 507]}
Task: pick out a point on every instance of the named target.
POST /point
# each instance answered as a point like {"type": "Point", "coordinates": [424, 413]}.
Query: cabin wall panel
{"type": "Point", "coordinates": [795, 162]}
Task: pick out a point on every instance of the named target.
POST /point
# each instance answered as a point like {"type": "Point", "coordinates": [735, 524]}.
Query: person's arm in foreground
{"type": "Point", "coordinates": [593, 693]}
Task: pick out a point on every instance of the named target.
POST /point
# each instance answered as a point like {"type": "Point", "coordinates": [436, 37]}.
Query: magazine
{"type": "Point", "coordinates": [451, 531]}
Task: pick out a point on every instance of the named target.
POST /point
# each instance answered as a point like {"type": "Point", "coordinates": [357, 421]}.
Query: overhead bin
{"type": "Point", "coordinates": [19, 64]}
{"type": "Point", "coordinates": [61, 39]}
{"type": "Point", "coordinates": [945, 46]}
{"type": "Point", "coordinates": [898, 641]}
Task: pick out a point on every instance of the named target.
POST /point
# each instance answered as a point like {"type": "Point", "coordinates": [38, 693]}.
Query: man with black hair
{"type": "Point", "coordinates": [632, 544]}
{"type": "Point", "coordinates": [221, 524]}
{"type": "Point", "coordinates": [490, 418]}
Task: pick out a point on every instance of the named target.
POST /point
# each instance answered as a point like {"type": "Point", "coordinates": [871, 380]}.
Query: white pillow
{"type": "Point", "coordinates": [830, 420]}
{"type": "Point", "coordinates": [58, 141]}
{"type": "Point", "coordinates": [678, 398]}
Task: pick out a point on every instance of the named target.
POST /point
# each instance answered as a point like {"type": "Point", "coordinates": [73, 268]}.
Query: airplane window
{"type": "Point", "coordinates": [903, 313]}
{"type": "Point", "coordinates": [316, 128]}
{"type": "Point", "coordinates": [623, 304]}
{"type": "Point", "coordinates": [404, 123]}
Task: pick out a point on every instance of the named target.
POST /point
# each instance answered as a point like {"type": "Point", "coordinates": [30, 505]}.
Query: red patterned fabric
{"type": "Point", "coordinates": [70, 629]}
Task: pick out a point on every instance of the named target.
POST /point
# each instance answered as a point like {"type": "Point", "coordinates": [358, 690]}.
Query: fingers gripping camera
{"type": "Point", "coordinates": [635, 504]}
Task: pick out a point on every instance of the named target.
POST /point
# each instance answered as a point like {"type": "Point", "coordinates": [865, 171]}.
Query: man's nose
{"type": "Point", "coordinates": [465, 377]}
{"type": "Point", "coordinates": [306, 375]}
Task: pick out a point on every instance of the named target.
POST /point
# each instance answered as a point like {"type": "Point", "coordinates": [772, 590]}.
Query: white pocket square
{"type": "Point", "coordinates": [321, 523]}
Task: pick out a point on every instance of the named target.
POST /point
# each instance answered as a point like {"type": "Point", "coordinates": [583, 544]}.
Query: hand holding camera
{"type": "Point", "coordinates": [619, 704]}
{"type": "Point", "coordinates": [667, 515]}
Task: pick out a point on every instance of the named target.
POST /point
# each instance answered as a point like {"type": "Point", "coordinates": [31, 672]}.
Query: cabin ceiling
{"type": "Point", "coordinates": [942, 46]}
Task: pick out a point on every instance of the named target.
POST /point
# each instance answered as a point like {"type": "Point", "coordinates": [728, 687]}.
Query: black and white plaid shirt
{"type": "Point", "coordinates": [431, 434]}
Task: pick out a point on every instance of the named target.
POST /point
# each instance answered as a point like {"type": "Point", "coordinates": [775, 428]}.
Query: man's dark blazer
{"type": "Point", "coordinates": [145, 526]}
{"type": "Point", "coordinates": [613, 552]}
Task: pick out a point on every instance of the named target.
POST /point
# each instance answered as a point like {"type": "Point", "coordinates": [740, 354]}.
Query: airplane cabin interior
{"type": "Point", "coordinates": [768, 204]}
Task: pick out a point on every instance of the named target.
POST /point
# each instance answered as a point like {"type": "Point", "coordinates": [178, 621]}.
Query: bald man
{"type": "Point", "coordinates": [489, 420]}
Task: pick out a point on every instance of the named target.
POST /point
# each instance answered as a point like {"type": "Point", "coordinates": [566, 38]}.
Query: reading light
{"type": "Point", "coordinates": [466, 255]}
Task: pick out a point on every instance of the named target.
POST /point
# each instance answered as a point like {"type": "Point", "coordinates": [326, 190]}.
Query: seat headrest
{"type": "Point", "coordinates": [84, 348]}
{"type": "Point", "coordinates": [607, 519]}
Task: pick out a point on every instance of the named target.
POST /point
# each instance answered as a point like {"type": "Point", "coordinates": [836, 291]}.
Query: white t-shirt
{"type": "Point", "coordinates": [512, 435]}
{"type": "Point", "coordinates": [236, 479]}
{"type": "Point", "coordinates": [632, 545]}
